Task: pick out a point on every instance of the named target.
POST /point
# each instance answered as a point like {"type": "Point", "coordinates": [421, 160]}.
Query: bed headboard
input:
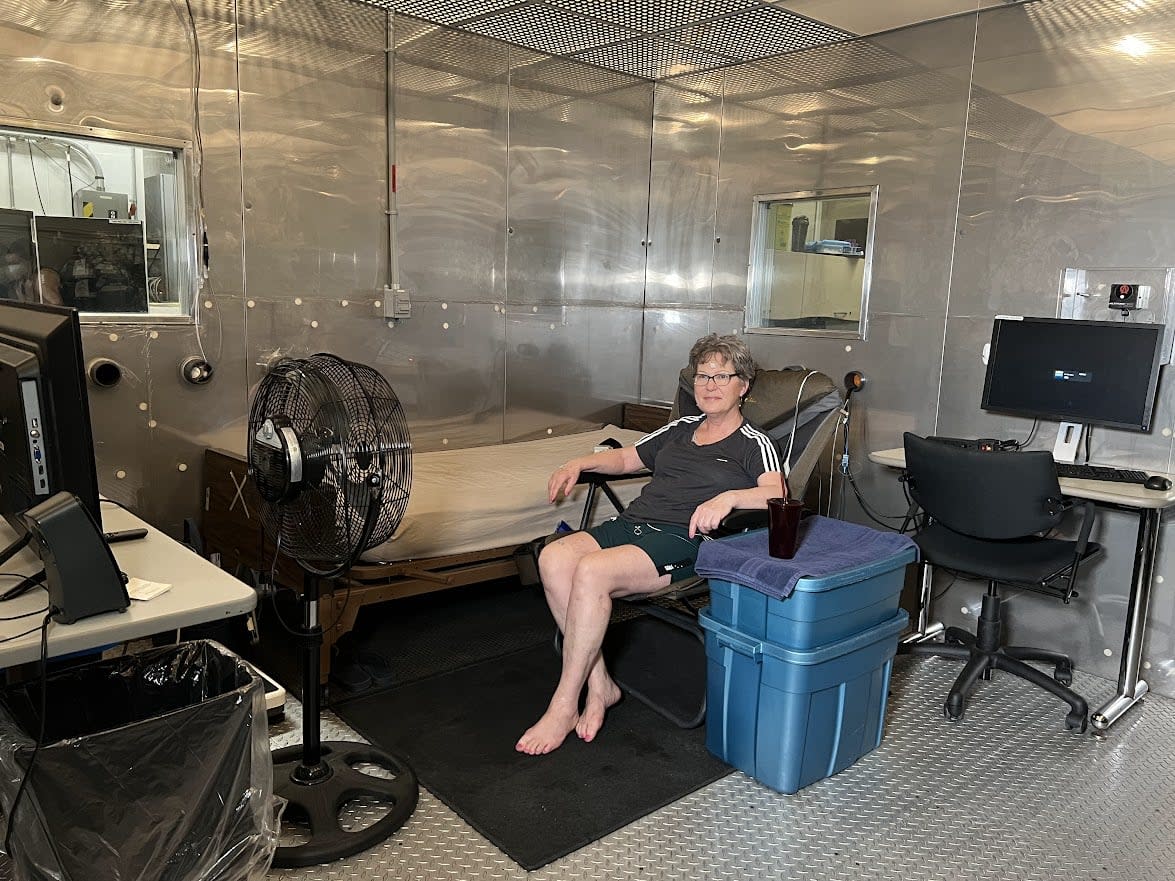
{"type": "Point", "coordinates": [644, 417]}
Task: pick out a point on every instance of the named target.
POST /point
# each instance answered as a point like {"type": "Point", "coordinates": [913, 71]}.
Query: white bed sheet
{"type": "Point", "coordinates": [494, 496]}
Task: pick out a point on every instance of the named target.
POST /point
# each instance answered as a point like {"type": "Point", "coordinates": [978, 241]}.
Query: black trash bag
{"type": "Point", "coordinates": [153, 767]}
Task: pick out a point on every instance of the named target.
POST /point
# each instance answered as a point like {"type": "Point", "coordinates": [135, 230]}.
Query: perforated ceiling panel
{"type": "Point", "coordinates": [656, 39]}
{"type": "Point", "coordinates": [652, 39]}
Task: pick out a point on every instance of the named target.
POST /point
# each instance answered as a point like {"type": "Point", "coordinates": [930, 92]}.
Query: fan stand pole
{"type": "Point", "coordinates": [312, 767]}
{"type": "Point", "coordinates": [319, 780]}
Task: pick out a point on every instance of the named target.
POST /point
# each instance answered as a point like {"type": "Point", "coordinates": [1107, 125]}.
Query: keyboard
{"type": "Point", "coordinates": [1101, 472]}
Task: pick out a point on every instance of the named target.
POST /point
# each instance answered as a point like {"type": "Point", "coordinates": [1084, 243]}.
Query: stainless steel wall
{"type": "Point", "coordinates": [1007, 146]}
{"type": "Point", "coordinates": [522, 200]}
{"type": "Point", "coordinates": [566, 232]}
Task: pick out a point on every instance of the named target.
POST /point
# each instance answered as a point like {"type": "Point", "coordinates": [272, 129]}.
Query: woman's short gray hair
{"type": "Point", "coordinates": [729, 347]}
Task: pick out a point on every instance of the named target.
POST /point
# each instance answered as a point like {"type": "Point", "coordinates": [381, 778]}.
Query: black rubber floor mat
{"type": "Point", "coordinates": [458, 730]}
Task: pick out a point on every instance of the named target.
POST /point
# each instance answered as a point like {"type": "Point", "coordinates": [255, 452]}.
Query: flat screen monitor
{"type": "Point", "coordinates": [101, 264]}
{"type": "Point", "coordinates": [1093, 372]}
{"type": "Point", "coordinates": [46, 445]}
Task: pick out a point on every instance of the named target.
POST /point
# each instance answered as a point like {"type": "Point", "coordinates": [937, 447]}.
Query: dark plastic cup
{"type": "Point", "coordinates": [783, 527]}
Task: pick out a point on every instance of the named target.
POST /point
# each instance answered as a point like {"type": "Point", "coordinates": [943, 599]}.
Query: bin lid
{"type": "Point", "coordinates": [831, 553]}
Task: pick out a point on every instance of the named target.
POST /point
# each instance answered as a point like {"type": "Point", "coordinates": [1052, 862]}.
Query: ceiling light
{"type": "Point", "coordinates": [1135, 47]}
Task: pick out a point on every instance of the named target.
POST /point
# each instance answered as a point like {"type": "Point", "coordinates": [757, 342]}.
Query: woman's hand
{"type": "Point", "coordinates": [709, 515]}
{"type": "Point", "coordinates": [563, 480]}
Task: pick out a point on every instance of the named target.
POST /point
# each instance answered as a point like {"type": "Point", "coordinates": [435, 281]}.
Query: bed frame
{"type": "Point", "coordinates": [232, 531]}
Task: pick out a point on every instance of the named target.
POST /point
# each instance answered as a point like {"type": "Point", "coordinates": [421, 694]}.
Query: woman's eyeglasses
{"type": "Point", "coordinates": [720, 379]}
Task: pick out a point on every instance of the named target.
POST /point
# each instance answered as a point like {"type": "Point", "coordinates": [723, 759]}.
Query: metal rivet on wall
{"type": "Point", "coordinates": [143, 406]}
{"type": "Point", "coordinates": [182, 466]}
{"type": "Point", "coordinates": [1109, 653]}
{"type": "Point", "coordinates": [445, 325]}
{"type": "Point", "coordinates": [154, 334]}
{"type": "Point", "coordinates": [377, 304]}
{"type": "Point", "coordinates": [207, 304]}
{"type": "Point", "coordinates": [151, 423]}
{"type": "Point", "coordinates": [113, 338]}
{"type": "Point", "coordinates": [250, 303]}
{"type": "Point", "coordinates": [120, 474]}
{"type": "Point", "coordinates": [297, 301]}
{"type": "Point", "coordinates": [314, 324]}
{"type": "Point", "coordinates": [344, 303]}
{"type": "Point", "coordinates": [444, 305]}
{"type": "Point", "coordinates": [848, 348]}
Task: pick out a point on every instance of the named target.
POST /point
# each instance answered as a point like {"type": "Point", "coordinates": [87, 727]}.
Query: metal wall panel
{"type": "Point", "coordinates": [1067, 165]}
{"type": "Point", "coordinates": [129, 68]}
{"type": "Point", "coordinates": [577, 216]}
{"type": "Point", "coordinates": [451, 107]}
{"type": "Point", "coordinates": [669, 335]}
{"type": "Point", "coordinates": [312, 115]}
{"type": "Point", "coordinates": [578, 179]}
{"type": "Point", "coordinates": [687, 136]}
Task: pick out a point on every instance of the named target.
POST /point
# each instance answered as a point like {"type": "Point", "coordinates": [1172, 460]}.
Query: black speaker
{"type": "Point", "coordinates": [80, 572]}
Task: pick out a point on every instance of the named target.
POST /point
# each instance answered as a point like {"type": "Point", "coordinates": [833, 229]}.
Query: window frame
{"type": "Point", "coordinates": [187, 183]}
{"type": "Point", "coordinates": [759, 274]}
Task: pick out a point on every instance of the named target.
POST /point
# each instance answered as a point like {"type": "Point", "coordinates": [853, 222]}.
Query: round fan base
{"type": "Point", "coordinates": [336, 783]}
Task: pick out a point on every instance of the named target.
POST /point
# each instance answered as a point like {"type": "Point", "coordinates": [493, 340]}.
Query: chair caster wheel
{"type": "Point", "coordinates": [1076, 722]}
{"type": "Point", "coordinates": [1064, 674]}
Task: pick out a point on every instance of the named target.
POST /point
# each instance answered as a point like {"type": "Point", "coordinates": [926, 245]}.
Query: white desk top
{"type": "Point", "coordinates": [200, 592]}
{"type": "Point", "coordinates": [1131, 495]}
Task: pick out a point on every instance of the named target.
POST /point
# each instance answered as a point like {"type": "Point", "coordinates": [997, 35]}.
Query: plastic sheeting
{"type": "Point", "coordinates": [154, 767]}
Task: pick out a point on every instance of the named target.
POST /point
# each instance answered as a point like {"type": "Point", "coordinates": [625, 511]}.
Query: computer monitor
{"type": "Point", "coordinates": [101, 263]}
{"type": "Point", "coordinates": [46, 445]}
{"type": "Point", "coordinates": [1088, 372]}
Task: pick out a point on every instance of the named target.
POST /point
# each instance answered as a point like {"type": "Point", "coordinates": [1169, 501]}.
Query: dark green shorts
{"type": "Point", "coordinates": [670, 548]}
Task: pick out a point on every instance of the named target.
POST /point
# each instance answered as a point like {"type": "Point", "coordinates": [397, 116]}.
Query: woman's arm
{"type": "Point", "coordinates": [708, 515]}
{"type": "Point", "coordinates": [622, 461]}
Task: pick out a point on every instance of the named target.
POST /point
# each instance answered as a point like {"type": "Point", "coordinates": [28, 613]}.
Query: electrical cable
{"type": "Point", "coordinates": [44, 628]}
{"type": "Point", "coordinates": [1088, 435]}
{"type": "Point", "coordinates": [66, 168]}
{"type": "Point", "coordinates": [1031, 435]}
{"type": "Point", "coordinates": [870, 512]}
{"type": "Point", "coordinates": [795, 419]}
{"type": "Point", "coordinates": [37, 183]}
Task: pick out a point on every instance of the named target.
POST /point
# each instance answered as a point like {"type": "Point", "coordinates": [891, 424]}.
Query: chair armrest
{"type": "Point", "coordinates": [598, 479]}
{"type": "Point", "coordinates": [740, 520]}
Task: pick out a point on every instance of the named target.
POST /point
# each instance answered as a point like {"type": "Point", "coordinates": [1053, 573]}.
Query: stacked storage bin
{"type": "Point", "coordinates": [797, 687]}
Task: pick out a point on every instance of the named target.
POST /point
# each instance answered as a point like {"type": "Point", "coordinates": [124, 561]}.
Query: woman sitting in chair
{"type": "Point", "coordinates": [703, 468]}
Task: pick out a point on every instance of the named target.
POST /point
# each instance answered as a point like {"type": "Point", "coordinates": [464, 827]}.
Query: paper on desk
{"type": "Point", "coordinates": [140, 589]}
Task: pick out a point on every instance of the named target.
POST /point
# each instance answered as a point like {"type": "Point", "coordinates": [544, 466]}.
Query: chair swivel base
{"type": "Point", "coordinates": [981, 661]}
{"type": "Point", "coordinates": [317, 795]}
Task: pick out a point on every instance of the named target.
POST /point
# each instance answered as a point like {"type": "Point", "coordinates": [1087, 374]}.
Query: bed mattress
{"type": "Point", "coordinates": [495, 496]}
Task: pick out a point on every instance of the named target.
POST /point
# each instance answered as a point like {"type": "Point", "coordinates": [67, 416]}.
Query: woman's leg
{"type": "Point", "coordinates": [597, 578]}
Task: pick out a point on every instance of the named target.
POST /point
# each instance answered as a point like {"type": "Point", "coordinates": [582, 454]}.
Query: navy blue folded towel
{"type": "Point", "coordinates": [826, 547]}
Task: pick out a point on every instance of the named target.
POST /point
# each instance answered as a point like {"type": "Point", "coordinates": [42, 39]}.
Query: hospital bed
{"type": "Point", "coordinates": [469, 512]}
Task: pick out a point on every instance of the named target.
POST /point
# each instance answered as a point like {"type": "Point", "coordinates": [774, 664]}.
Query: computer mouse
{"type": "Point", "coordinates": [1157, 481]}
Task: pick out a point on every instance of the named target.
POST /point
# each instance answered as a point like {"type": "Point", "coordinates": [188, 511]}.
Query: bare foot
{"type": "Point", "coordinates": [548, 732]}
{"type": "Point", "coordinates": [597, 704]}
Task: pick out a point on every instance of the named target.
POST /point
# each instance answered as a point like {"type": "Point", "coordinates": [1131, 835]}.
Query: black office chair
{"type": "Point", "coordinates": [986, 512]}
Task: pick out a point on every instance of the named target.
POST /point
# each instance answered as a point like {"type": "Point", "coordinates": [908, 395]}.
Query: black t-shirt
{"type": "Point", "coordinates": [686, 474]}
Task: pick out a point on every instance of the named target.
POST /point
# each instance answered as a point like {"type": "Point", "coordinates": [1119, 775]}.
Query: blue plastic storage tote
{"type": "Point", "coordinates": [820, 610]}
{"type": "Point", "coordinates": [789, 718]}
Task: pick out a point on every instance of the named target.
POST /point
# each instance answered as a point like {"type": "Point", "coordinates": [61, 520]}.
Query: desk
{"type": "Point", "coordinates": [200, 592]}
{"type": "Point", "coordinates": [1148, 504]}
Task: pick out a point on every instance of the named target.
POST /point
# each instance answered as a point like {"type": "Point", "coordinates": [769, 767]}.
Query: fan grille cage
{"type": "Point", "coordinates": [356, 458]}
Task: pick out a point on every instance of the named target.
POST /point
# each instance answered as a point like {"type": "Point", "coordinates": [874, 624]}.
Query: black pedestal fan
{"type": "Point", "coordinates": [330, 455]}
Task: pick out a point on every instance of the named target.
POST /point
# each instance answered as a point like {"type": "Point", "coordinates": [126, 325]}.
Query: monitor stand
{"type": "Point", "coordinates": [1068, 441]}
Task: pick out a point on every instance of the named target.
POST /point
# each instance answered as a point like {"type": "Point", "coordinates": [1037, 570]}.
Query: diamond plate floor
{"type": "Point", "coordinates": [1006, 795]}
